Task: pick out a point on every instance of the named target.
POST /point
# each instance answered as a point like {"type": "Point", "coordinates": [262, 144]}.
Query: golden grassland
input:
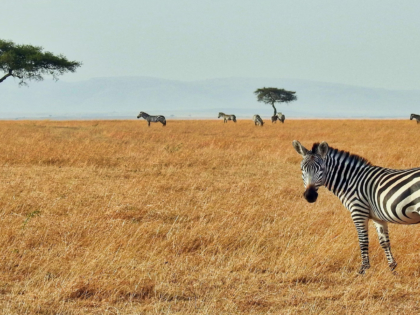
{"type": "Point", "coordinates": [198, 217]}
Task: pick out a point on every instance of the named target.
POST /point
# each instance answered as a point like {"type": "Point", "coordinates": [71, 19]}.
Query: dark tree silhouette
{"type": "Point", "coordinates": [274, 95]}
{"type": "Point", "coordinates": [27, 62]}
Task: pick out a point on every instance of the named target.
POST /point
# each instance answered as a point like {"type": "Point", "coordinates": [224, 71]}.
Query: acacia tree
{"type": "Point", "coordinates": [27, 62]}
{"type": "Point", "coordinates": [274, 95]}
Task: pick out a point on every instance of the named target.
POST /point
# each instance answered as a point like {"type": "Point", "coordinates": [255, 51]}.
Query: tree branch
{"type": "Point", "coordinates": [28, 63]}
{"type": "Point", "coordinates": [6, 76]}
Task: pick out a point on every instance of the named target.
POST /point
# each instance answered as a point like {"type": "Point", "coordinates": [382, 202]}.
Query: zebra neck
{"type": "Point", "coordinates": [343, 170]}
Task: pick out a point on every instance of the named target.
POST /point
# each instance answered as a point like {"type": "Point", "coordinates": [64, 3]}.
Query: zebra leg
{"type": "Point", "coordinates": [361, 223]}
{"type": "Point", "coordinates": [382, 229]}
{"type": "Point", "coordinates": [148, 123]}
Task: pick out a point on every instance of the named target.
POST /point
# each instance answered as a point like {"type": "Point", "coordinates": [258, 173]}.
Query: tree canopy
{"type": "Point", "coordinates": [273, 95]}
{"type": "Point", "coordinates": [27, 62]}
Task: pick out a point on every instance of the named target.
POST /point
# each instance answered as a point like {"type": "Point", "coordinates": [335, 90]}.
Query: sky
{"type": "Point", "coordinates": [373, 43]}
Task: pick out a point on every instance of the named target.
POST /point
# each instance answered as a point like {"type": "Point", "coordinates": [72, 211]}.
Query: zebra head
{"type": "Point", "coordinates": [140, 114]}
{"type": "Point", "coordinates": [412, 116]}
{"type": "Point", "coordinates": [220, 114]}
{"type": "Point", "coordinates": [313, 168]}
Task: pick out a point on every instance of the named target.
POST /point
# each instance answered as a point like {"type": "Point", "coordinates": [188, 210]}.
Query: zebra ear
{"type": "Point", "coordinates": [299, 148]}
{"type": "Point", "coordinates": [322, 149]}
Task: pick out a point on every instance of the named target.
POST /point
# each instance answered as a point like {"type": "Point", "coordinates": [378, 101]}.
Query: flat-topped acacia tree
{"type": "Point", "coordinates": [272, 95]}
{"type": "Point", "coordinates": [27, 62]}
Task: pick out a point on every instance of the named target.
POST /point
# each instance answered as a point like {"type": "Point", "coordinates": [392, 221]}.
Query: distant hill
{"type": "Point", "coordinates": [125, 96]}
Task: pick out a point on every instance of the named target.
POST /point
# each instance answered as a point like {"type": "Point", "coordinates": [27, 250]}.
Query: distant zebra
{"type": "Point", "coordinates": [257, 120]}
{"type": "Point", "coordinates": [149, 118]}
{"type": "Point", "coordinates": [367, 191]}
{"type": "Point", "coordinates": [278, 116]}
{"type": "Point", "coordinates": [227, 117]}
{"type": "Point", "coordinates": [416, 117]}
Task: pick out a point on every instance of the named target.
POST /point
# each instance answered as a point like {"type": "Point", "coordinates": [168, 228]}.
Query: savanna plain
{"type": "Point", "coordinates": [198, 217]}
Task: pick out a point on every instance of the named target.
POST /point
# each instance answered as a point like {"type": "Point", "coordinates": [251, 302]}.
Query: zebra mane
{"type": "Point", "coordinates": [347, 155]}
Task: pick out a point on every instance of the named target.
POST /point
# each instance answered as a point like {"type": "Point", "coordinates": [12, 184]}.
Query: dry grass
{"type": "Point", "coordinates": [199, 217]}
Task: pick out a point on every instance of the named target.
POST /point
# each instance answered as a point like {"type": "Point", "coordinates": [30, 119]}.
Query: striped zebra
{"type": "Point", "coordinates": [416, 117]}
{"type": "Point", "coordinates": [227, 117]}
{"type": "Point", "coordinates": [367, 191]}
{"type": "Point", "coordinates": [149, 118]}
{"type": "Point", "coordinates": [257, 120]}
{"type": "Point", "coordinates": [278, 116]}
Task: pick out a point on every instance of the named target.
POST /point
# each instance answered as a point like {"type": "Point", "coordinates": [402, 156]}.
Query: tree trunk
{"type": "Point", "coordinates": [275, 110]}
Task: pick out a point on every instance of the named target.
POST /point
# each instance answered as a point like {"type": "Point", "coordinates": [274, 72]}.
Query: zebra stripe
{"type": "Point", "coordinates": [257, 120]}
{"type": "Point", "coordinates": [227, 117]}
{"type": "Point", "coordinates": [367, 191]}
{"type": "Point", "coordinates": [278, 116]}
{"type": "Point", "coordinates": [416, 117]}
{"type": "Point", "coordinates": [149, 118]}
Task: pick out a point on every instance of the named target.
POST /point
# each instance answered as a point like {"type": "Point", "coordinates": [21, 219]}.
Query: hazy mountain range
{"type": "Point", "coordinates": [124, 97]}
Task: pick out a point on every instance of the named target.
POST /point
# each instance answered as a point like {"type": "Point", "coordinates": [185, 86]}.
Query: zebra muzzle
{"type": "Point", "coordinates": [310, 194]}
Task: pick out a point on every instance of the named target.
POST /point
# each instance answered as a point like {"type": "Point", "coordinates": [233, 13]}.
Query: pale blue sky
{"type": "Point", "coordinates": [367, 43]}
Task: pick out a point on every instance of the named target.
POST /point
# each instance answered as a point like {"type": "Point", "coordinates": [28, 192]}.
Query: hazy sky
{"type": "Point", "coordinates": [373, 43]}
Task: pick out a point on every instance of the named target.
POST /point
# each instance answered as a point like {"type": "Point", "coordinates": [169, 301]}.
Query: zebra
{"type": "Point", "coordinates": [416, 117]}
{"type": "Point", "coordinates": [149, 118]}
{"type": "Point", "coordinates": [278, 116]}
{"type": "Point", "coordinates": [367, 191]}
{"type": "Point", "coordinates": [227, 117]}
{"type": "Point", "coordinates": [257, 120]}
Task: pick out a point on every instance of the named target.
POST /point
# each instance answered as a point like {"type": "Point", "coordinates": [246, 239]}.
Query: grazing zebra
{"type": "Point", "coordinates": [278, 116]}
{"type": "Point", "coordinates": [227, 117]}
{"type": "Point", "coordinates": [257, 120]}
{"type": "Point", "coordinates": [367, 191]}
{"type": "Point", "coordinates": [416, 117]}
{"type": "Point", "coordinates": [150, 118]}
